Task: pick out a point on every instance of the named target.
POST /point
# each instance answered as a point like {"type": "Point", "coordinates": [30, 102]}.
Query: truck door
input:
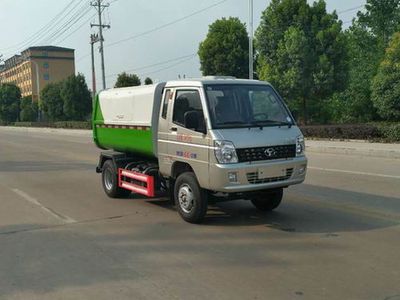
{"type": "Point", "coordinates": [187, 135]}
{"type": "Point", "coordinates": [164, 159]}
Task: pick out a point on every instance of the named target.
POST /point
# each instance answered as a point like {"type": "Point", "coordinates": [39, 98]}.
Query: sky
{"type": "Point", "coordinates": [158, 50]}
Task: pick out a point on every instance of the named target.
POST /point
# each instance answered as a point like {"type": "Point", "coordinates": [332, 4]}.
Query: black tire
{"type": "Point", "coordinates": [190, 198]}
{"type": "Point", "coordinates": [109, 179]}
{"type": "Point", "coordinates": [269, 200]}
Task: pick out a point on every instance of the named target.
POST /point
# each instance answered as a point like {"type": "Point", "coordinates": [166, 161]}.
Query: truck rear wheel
{"type": "Point", "coordinates": [190, 198]}
{"type": "Point", "coordinates": [110, 181]}
{"type": "Point", "coordinates": [269, 200]}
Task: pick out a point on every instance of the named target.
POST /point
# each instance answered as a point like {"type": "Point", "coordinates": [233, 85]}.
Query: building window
{"type": "Point", "coordinates": [46, 76]}
{"type": "Point", "coordinates": [46, 65]}
{"type": "Point", "coordinates": [45, 53]}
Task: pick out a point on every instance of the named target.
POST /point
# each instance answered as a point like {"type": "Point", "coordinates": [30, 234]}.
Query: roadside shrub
{"type": "Point", "coordinates": [28, 110]}
{"type": "Point", "coordinates": [63, 124]}
{"type": "Point", "coordinates": [390, 132]}
{"type": "Point", "coordinates": [31, 124]}
{"type": "Point", "coordinates": [359, 131]}
{"type": "Point", "coordinates": [73, 125]}
{"type": "Point", "coordinates": [378, 132]}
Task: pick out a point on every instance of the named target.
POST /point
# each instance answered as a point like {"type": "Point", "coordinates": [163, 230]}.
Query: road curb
{"type": "Point", "coordinates": [355, 148]}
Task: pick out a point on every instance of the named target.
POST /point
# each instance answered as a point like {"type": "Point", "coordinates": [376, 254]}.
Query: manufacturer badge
{"type": "Point", "coordinates": [270, 152]}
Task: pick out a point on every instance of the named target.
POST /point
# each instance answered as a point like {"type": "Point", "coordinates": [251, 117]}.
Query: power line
{"type": "Point", "coordinates": [53, 27]}
{"type": "Point", "coordinates": [167, 24]}
{"type": "Point", "coordinates": [67, 25]}
{"type": "Point", "coordinates": [57, 29]}
{"type": "Point", "coordinates": [163, 69]}
{"type": "Point", "coordinates": [57, 25]}
{"type": "Point", "coordinates": [166, 68]}
{"type": "Point", "coordinates": [156, 64]}
{"type": "Point", "coordinates": [79, 27]}
{"type": "Point", "coordinates": [158, 27]}
{"type": "Point", "coordinates": [350, 9]}
{"type": "Point", "coordinates": [39, 32]}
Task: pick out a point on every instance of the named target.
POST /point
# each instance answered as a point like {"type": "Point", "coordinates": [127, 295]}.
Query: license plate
{"type": "Point", "coordinates": [271, 172]}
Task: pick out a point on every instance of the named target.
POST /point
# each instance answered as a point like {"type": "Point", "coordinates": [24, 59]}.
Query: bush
{"type": "Point", "coordinates": [385, 132]}
{"type": "Point", "coordinates": [362, 132]}
{"type": "Point", "coordinates": [10, 96]}
{"type": "Point", "coordinates": [390, 132]}
{"type": "Point", "coordinates": [31, 124]}
{"type": "Point", "coordinates": [52, 103]}
{"type": "Point", "coordinates": [28, 110]}
{"type": "Point", "coordinates": [64, 124]}
{"type": "Point", "coordinates": [73, 125]}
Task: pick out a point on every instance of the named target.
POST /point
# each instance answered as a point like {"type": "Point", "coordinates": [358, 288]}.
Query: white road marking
{"type": "Point", "coordinates": [354, 172]}
{"type": "Point", "coordinates": [32, 200]}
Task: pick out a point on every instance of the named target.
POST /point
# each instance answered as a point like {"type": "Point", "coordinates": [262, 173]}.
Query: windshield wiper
{"type": "Point", "coordinates": [263, 123]}
{"type": "Point", "coordinates": [231, 123]}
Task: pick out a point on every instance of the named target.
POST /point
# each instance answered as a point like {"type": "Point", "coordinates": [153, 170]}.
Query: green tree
{"type": "Point", "coordinates": [10, 97]}
{"type": "Point", "coordinates": [301, 50]}
{"type": "Point", "coordinates": [51, 102]}
{"type": "Point", "coordinates": [225, 49]}
{"type": "Point", "coordinates": [148, 81]}
{"type": "Point", "coordinates": [76, 98]}
{"type": "Point", "coordinates": [354, 104]}
{"type": "Point", "coordinates": [386, 84]}
{"type": "Point", "coordinates": [366, 41]}
{"type": "Point", "coordinates": [28, 110]}
{"type": "Point", "coordinates": [125, 80]}
{"type": "Point", "coordinates": [382, 17]}
{"type": "Point", "coordinates": [290, 68]}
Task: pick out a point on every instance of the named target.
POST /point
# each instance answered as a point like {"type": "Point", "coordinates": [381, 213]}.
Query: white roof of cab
{"type": "Point", "coordinates": [199, 82]}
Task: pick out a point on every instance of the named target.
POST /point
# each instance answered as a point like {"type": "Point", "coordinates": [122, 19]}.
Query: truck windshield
{"type": "Point", "coordinates": [233, 106]}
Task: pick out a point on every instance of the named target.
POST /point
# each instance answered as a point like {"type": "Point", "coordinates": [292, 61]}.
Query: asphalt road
{"type": "Point", "coordinates": [337, 236]}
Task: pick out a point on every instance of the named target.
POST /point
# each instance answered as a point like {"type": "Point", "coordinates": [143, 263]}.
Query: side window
{"type": "Point", "coordinates": [188, 111]}
{"type": "Point", "coordinates": [165, 103]}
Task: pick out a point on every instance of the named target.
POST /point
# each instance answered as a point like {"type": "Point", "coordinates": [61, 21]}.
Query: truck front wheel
{"type": "Point", "coordinates": [109, 178]}
{"type": "Point", "coordinates": [268, 200]}
{"type": "Point", "coordinates": [190, 198]}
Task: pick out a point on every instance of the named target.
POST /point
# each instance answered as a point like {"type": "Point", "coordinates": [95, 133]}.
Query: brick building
{"type": "Point", "coordinates": [52, 64]}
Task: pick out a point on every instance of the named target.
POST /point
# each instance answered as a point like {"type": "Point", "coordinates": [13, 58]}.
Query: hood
{"type": "Point", "coordinates": [256, 137]}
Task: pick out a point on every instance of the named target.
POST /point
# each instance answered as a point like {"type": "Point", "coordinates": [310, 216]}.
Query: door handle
{"type": "Point", "coordinates": [174, 129]}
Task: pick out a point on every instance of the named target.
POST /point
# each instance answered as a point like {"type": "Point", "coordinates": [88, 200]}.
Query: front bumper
{"type": "Point", "coordinates": [248, 178]}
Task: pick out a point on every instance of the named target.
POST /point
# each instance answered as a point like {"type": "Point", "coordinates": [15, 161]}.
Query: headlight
{"type": "Point", "coordinates": [300, 145]}
{"type": "Point", "coordinates": [225, 152]}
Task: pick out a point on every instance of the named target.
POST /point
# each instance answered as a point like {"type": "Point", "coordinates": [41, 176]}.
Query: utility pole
{"type": "Point", "coordinates": [94, 38]}
{"type": "Point", "coordinates": [98, 4]}
{"type": "Point", "coordinates": [251, 32]}
{"type": "Point", "coordinates": [39, 116]}
{"type": "Point", "coordinates": [1, 60]}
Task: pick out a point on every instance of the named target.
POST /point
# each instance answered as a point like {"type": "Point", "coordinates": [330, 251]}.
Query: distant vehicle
{"type": "Point", "coordinates": [199, 141]}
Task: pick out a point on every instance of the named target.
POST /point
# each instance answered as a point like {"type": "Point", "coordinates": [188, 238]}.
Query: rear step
{"type": "Point", "coordinates": [145, 185]}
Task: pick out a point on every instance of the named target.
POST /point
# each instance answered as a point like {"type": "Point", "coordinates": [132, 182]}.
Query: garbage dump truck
{"type": "Point", "coordinates": [198, 141]}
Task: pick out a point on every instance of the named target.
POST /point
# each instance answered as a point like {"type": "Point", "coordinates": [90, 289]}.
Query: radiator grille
{"type": "Point", "coordinates": [253, 177]}
{"type": "Point", "coordinates": [266, 153]}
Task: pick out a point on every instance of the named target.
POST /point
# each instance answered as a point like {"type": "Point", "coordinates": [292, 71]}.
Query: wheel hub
{"type": "Point", "coordinates": [108, 179]}
{"type": "Point", "coordinates": [186, 198]}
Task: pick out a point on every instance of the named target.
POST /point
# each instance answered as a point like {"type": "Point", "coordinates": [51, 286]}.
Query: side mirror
{"type": "Point", "coordinates": [193, 121]}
